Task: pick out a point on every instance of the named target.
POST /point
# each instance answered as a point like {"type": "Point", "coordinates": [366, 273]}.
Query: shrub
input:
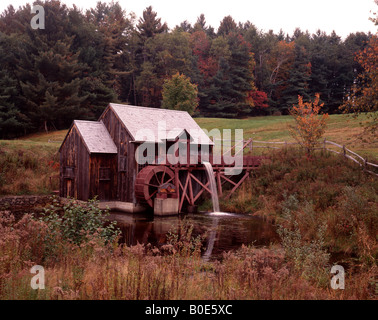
{"type": "Point", "coordinates": [21, 243]}
{"type": "Point", "coordinates": [309, 257]}
{"type": "Point", "coordinates": [360, 220]}
{"type": "Point", "coordinates": [308, 127]}
{"type": "Point", "coordinates": [77, 223]}
{"type": "Point", "coordinates": [183, 242]}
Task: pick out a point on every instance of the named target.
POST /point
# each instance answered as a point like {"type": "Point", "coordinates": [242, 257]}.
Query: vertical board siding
{"type": "Point", "coordinates": [105, 190]}
{"type": "Point", "coordinates": [75, 155]}
{"type": "Point", "coordinates": [125, 157]}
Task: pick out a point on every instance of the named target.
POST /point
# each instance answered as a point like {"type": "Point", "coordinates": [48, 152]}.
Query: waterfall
{"type": "Point", "coordinates": [212, 185]}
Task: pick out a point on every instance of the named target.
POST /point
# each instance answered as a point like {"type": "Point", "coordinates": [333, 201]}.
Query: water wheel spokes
{"type": "Point", "coordinates": [149, 180]}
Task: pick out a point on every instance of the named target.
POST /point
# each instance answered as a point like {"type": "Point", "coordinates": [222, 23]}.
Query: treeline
{"type": "Point", "coordinates": [83, 60]}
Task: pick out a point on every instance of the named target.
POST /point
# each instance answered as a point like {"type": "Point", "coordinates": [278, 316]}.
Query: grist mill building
{"type": "Point", "coordinates": [101, 158]}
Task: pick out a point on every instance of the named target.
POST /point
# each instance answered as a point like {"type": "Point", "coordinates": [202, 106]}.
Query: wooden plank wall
{"type": "Point", "coordinates": [126, 157]}
{"type": "Point", "coordinates": [105, 189]}
{"type": "Point", "coordinates": [74, 154]}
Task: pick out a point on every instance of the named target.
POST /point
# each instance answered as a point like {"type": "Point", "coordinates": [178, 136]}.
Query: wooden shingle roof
{"type": "Point", "coordinates": [95, 136]}
{"type": "Point", "coordinates": [155, 125]}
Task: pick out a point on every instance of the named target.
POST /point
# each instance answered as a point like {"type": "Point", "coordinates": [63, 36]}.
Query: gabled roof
{"type": "Point", "coordinates": [155, 125]}
{"type": "Point", "coordinates": [95, 136]}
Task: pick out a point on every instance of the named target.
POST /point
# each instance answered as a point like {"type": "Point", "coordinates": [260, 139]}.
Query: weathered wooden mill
{"type": "Point", "coordinates": [138, 158]}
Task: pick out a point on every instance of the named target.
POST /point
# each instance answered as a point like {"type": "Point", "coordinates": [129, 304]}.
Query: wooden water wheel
{"type": "Point", "coordinates": [150, 180]}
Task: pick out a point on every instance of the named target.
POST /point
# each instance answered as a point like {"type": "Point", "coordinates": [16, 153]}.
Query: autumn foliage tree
{"type": "Point", "coordinates": [180, 94]}
{"type": "Point", "coordinates": [259, 99]}
{"type": "Point", "coordinates": [309, 125]}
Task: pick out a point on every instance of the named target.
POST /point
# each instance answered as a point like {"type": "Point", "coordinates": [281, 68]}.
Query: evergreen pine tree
{"type": "Point", "coordinates": [51, 80]}
{"type": "Point", "coordinates": [298, 82]}
{"type": "Point", "coordinates": [13, 121]}
{"type": "Point", "coordinates": [233, 81]}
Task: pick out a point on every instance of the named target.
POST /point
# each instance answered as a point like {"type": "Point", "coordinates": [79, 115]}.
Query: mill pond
{"type": "Point", "coordinates": [222, 231]}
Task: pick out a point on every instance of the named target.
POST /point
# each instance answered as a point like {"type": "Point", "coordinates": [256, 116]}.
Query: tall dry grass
{"type": "Point", "coordinates": [28, 168]}
{"type": "Point", "coordinates": [323, 190]}
{"type": "Point", "coordinates": [176, 271]}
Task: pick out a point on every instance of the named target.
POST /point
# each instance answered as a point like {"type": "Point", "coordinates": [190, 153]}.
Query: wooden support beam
{"type": "Point", "coordinates": [184, 192]}
{"type": "Point", "coordinates": [237, 185]}
{"type": "Point", "coordinates": [201, 191]}
{"type": "Point", "coordinates": [191, 202]}
{"type": "Point", "coordinates": [227, 179]}
{"type": "Point", "coordinates": [177, 182]}
{"type": "Point", "coordinates": [219, 183]}
{"type": "Point", "coordinates": [200, 183]}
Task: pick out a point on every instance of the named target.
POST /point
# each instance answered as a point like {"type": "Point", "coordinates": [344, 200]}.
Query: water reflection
{"type": "Point", "coordinates": [225, 231]}
{"type": "Point", "coordinates": [211, 240]}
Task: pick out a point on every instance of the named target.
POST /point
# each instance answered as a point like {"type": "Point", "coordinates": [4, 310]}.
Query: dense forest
{"type": "Point", "coordinates": [83, 60]}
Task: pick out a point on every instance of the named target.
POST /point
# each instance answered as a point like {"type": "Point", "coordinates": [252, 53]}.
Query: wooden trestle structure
{"type": "Point", "coordinates": [186, 189]}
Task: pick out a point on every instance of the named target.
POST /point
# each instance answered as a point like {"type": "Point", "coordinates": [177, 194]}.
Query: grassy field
{"type": "Point", "coordinates": [28, 167]}
{"type": "Point", "coordinates": [341, 129]}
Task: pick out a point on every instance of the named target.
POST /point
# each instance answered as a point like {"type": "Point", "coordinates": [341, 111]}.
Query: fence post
{"type": "Point", "coordinates": [344, 151]}
{"type": "Point", "coordinates": [324, 144]}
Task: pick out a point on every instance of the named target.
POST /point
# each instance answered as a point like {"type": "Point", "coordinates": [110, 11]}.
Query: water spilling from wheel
{"type": "Point", "coordinates": [216, 210]}
{"type": "Point", "coordinates": [213, 186]}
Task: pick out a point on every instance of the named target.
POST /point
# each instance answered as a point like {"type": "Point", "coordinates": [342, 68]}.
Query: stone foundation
{"type": "Point", "coordinates": [121, 206]}
{"type": "Point", "coordinates": [16, 203]}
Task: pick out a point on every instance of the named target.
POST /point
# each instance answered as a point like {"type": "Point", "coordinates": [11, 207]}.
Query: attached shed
{"type": "Point", "coordinates": [88, 162]}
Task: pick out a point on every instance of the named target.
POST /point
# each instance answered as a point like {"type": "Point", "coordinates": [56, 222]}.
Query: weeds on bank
{"type": "Point", "coordinates": [322, 191]}
{"type": "Point", "coordinates": [28, 169]}
{"type": "Point", "coordinates": [96, 269]}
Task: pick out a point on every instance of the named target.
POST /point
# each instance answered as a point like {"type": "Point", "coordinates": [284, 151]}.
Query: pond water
{"type": "Point", "coordinates": [225, 231]}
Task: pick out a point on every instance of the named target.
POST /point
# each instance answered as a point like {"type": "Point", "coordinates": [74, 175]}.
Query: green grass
{"type": "Point", "coordinates": [342, 129]}
{"type": "Point", "coordinates": [52, 138]}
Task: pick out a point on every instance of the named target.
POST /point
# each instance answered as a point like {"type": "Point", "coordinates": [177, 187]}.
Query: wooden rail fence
{"type": "Point", "coordinates": [324, 145]}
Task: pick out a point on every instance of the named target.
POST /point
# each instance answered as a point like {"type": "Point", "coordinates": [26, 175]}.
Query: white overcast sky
{"type": "Point", "coordinates": [343, 16]}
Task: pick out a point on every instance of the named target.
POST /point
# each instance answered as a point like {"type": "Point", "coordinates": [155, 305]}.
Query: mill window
{"type": "Point", "coordinates": [69, 172]}
{"type": "Point", "coordinates": [104, 174]}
